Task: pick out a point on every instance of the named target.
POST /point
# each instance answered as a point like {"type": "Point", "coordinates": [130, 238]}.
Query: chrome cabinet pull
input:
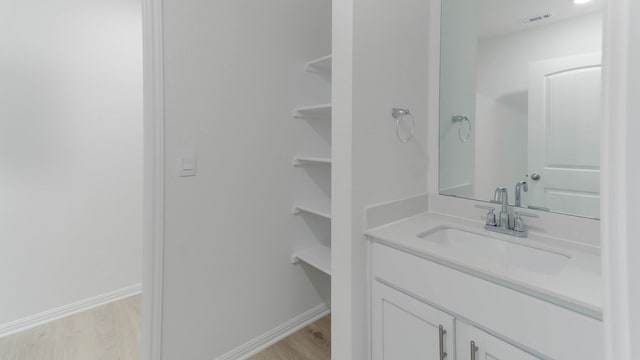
{"type": "Point", "coordinates": [442, 331]}
{"type": "Point", "coordinates": [474, 350]}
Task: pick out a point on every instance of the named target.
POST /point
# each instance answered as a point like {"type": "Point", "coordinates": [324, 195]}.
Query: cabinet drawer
{"type": "Point", "coordinates": [528, 322]}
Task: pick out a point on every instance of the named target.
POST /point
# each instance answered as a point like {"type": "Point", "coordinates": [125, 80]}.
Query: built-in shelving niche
{"type": "Point", "coordinates": [324, 213]}
{"type": "Point", "coordinates": [310, 160]}
{"type": "Point", "coordinates": [318, 256]}
{"type": "Point", "coordinates": [321, 111]}
{"type": "Point", "coordinates": [320, 65]}
{"type": "Point", "coordinates": [313, 197]}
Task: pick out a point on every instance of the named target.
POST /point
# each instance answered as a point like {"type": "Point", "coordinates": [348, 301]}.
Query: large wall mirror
{"type": "Point", "coordinates": [520, 100]}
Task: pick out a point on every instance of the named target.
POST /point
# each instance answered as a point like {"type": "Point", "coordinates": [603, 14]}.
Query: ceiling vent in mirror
{"type": "Point", "coordinates": [536, 18]}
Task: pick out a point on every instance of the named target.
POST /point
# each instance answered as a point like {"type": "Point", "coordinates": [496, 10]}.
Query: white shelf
{"type": "Point", "coordinates": [297, 209]}
{"type": "Point", "coordinates": [322, 64]}
{"type": "Point", "coordinates": [309, 160]}
{"type": "Point", "coordinates": [315, 111]}
{"type": "Point", "coordinates": [318, 256]}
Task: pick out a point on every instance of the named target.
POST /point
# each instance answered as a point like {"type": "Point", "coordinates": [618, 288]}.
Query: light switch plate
{"type": "Point", "coordinates": [188, 164]}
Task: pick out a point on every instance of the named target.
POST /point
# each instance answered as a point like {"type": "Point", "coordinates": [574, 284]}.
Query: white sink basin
{"type": "Point", "coordinates": [486, 251]}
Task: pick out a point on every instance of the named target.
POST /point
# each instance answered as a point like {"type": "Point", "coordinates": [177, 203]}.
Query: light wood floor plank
{"type": "Point", "coordinates": [109, 332]}
{"type": "Point", "coordinates": [112, 332]}
{"type": "Point", "coordinates": [311, 343]}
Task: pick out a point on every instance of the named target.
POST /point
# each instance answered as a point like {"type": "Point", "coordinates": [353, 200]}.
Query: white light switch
{"type": "Point", "coordinates": [188, 164]}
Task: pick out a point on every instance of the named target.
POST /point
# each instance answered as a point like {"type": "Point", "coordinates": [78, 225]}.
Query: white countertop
{"type": "Point", "coordinates": [578, 286]}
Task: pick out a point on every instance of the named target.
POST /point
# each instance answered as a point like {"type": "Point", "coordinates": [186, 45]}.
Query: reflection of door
{"type": "Point", "coordinates": [564, 134]}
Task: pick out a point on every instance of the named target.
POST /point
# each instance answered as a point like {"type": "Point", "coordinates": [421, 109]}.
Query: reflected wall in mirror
{"type": "Point", "coordinates": [520, 97]}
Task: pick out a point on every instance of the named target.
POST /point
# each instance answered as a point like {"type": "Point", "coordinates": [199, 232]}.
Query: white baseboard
{"type": "Point", "coordinates": [273, 336]}
{"type": "Point", "coordinates": [66, 310]}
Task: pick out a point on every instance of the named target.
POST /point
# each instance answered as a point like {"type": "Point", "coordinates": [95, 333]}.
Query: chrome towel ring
{"type": "Point", "coordinates": [398, 114]}
{"type": "Point", "coordinates": [459, 119]}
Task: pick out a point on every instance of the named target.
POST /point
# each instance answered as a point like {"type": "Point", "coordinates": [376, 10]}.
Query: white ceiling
{"type": "Point", "coordinates": [497, 17]}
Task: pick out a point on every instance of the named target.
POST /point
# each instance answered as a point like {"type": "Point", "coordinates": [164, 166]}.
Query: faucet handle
{"type": "Point", "coordinates": [518, 222]}
{"type": "Point", "coordinates": [491, 215]}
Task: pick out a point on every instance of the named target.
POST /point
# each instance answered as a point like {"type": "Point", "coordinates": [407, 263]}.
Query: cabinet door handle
{"type": "Point", "coordinates": [474, 350]}
{"type": "Point", "coordinates": [442, 332]}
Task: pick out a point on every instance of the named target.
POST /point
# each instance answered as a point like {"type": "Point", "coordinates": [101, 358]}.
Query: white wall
{"type": "Point", "coordinates": [70, 151]}
{"type": "Point", "coordinates": [233, 74]}
{"type": "Point", "coordinates": [502, 91]}
{"type": "Point", "coordinates": [380, 62]}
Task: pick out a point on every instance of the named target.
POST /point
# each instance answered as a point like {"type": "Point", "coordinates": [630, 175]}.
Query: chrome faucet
{"type": "Point", "coordinates": [502, 195]}
{"type": "Point", "coordinates": [503, 223]}
{"type": "Point", "coordinates": [497, 193]}
{"type": "Point", "coordinates": [521, 185]}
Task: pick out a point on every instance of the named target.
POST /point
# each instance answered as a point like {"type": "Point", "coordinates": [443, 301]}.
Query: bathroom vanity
{"type": "Point", "coordinates": [517, 118]}
{"type": "Point", "coordinates": [517, 114]}
{"type": "Point", "coordinates": [443, 287]}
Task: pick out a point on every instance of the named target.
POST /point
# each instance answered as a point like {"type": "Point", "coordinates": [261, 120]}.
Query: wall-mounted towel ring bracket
{"type": "Point", "coordinates": [398, 114]}
{"type": "Point", "coordinates": [459, 119]}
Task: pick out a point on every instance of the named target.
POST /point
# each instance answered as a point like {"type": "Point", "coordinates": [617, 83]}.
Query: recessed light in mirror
{"type": "Point", "coordinates": [581, 1]}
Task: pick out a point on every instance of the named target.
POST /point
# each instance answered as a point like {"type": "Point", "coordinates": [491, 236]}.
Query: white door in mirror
{"type": "Point", "coordinates": [564, 134]}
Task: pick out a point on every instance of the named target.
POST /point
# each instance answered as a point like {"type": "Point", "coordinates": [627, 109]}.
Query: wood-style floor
{"type": "Point", "coordinates": [109, 332]}
{"type": "Point", "coordinates": [311, 343]}
{"type": "Point", "coordinates": [112, 332]}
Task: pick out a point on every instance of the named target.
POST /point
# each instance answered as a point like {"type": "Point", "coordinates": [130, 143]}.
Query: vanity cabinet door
{"type": "Point", "coordinates": [406, 328]}
{"type": "Point", "coordinates": [485, 346]}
